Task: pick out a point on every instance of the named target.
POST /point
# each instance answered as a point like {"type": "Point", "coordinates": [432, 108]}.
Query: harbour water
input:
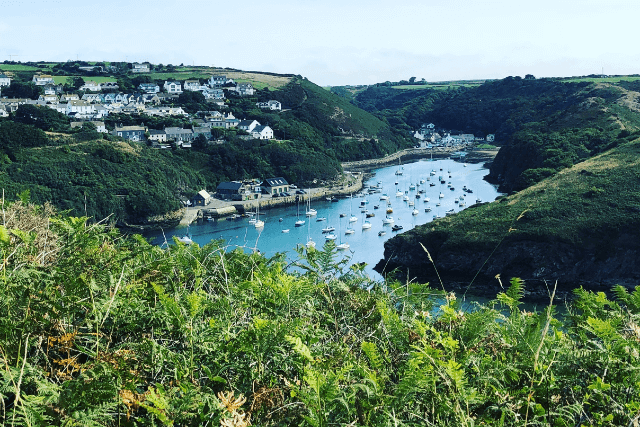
{"type": "Point", "coordinates": [366, 245]}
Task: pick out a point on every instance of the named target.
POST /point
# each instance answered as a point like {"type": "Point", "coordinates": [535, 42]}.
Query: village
{"type": "Point", "coordinates": [94, 101]}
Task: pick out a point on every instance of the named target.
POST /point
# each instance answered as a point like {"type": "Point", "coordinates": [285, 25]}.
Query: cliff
{"type": "Point", "coordinates": [580, 227]}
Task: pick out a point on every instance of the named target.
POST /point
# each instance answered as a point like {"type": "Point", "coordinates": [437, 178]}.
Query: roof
{"type": "Point", "coordinates": [233, 186]}
{"type": "Point", "coordinates": [275, 182]}
{"type": "Point", "coordinates": [129, 128]}
{"type": "Point", "coordinates": [204, 194]}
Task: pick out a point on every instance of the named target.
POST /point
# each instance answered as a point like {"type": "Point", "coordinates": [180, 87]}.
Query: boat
{"type": "Point", "coordinates": [328, 229]}
{"type": "Point", "coordinates": [311, 244]}
{"type": "Point", "coordinates": [396, 227]}
{"type": "Point", "coordinates": [342, 215]}
{"type": "Point", "coordinates": [299, 222]}
{"type": "Point", "coordinates": [441, 195]}
{"type": "Point", "coordinates": [417, 196]}
{"type": "Point", "coordinates": [281, 219]}
{"type": "Point", "coordinates": [432, 184]}
{"type": "Point", "coordinates": [186, 239]}
{"type": "Point", "coordinates": [334, 199]}
{"type": "Point", "coordinates": [427, 209]}
{"type": "Point", "coordinates": [376, 207]}
{"type": "Point", "coordinates": [258, 222]}
{"type": "Point", "coordinates": [286, 230]}
{"type": "Point", "coordinates": [415, 212]}
{"type": "Point", "coordinates": [478, 200]}
{"type": "Point", "coordinates": [452, 188]}
{"type": "Point", "coordinates": [411, 203]}
{"type": "Point", "coordinates": [366, 225]}
{"type": "Point", "coordinates": [426, 199]}
{"type": "Point", "coordinates": [349, 231]}
{"type": "Point", "coordinates": [405, 198]}
{"type": "Point", "coordinates": [450, 212]}
{"type": "Point", "coordinates": [370, 215]}
{"type": "Point", "coordinates": [412, 187]}
{"type": "Point", "coordinates": [384, 197]}
{"type": "Point", "coordinates": [438, 204]}
{"type": "Point", "coordinates": [398, 193]}
{"type": "Point", "coordinates": [422, 181]}
{"type": "Point", "coordinates": [330, 237]}
{"type": "Point", "coordinates": [389, 210]}
{"type": "Point", "coordinates": [321, 218]}
{"type": "Point", "coordinates": [310, 210]}
{"type": "Point", "coordinates": [381, 233]}
{"type": "Point", "coordinates": [387, 220]}
{"type": "Point", "coordinates": [342, 246]}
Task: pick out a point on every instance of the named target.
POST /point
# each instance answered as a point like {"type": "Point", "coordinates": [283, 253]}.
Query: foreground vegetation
{"type": "Point", "coordinates": [97, 329]}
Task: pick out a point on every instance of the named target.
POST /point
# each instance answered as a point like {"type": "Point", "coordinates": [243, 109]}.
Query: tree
{"type": "Point", "coordinates": [529, 77]}
{"type": "Point", "coordinates": [42, 117]}
{"type": "Point", "coordinates": [23, 90]}
{"type": "Point", "coordinates": [412, 80]}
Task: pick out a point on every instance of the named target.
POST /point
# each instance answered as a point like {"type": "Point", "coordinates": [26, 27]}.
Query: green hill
{"type": "Point", "coordinates": [579, 227]}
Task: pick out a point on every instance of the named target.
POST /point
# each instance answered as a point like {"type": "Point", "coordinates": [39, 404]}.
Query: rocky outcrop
{"type": "Point", "coordinates": [539, 263]}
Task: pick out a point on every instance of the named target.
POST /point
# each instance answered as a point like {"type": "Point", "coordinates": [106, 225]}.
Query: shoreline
{"type": "Point", "coordinates": [357, 171]}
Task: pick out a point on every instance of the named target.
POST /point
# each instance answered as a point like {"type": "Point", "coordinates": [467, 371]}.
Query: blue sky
{"type": "Point", "coordinates": [335, 42]}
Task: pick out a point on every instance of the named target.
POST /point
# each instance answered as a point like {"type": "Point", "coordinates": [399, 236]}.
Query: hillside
{"type": "Point", "coordinates": [579, 227]}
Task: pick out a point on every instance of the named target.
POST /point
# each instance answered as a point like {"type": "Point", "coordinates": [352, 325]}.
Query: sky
{"type": "Point", "coordinates": [335, 42]}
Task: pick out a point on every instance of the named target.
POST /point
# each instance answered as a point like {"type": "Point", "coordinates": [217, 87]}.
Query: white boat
{"type": "Point", "coordinates": [328, 229]}
{"type": "Point", "coordinates": [398, 193]}
{"type": "Point", "coordinates": [381, 233]}
{"type": "Point", "coordinates": [286, 230]}
{"type": "Point", "coordinates": [259, 223]}
{"type": "Point", "coordinates": [311, 212]}
{"type": "Point", "coordinates": [349, 231]}
{"type": "Point", "coordinates": [387, 220]}
{"type": "Point", "coordinates": [405, 198]}
{"type": "Point", "coordinates": [427, 209]}
{"type": "Point", "coordinates": [300, 222]}
{"type": "Point", "coordinates": [321, 219]}
{"type": "Point", "coordinates": [412, 187]}
{"type": "Point", "coordinates": [342, 246]}
{"type": "Point", "coordinates": [311, 244]}
{"type": "Point", "coordinates": [450, 212]}
{"type": "Point", "coordinates": [366, 225]}
{"type": "Point", "coordinates": [411, 203]}
{"type": "Point", "coordinates": [478, 200]}
{"type": "Point", "coordinates": [415, 212]}
{"type": "Point", "coordinates": [185, 239]}
{"type": "Point", "coordinates": [426, 200]}
{"type": "Point", "coordinates": [353, 218]}
{"type": "Point", "coordinates": [331, 237]}
{"type": "Point", "coordinates": [441, 196]}
{"type": "Point", "coordinates": [384, 197]}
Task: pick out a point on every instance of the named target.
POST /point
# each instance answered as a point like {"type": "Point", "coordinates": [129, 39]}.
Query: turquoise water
{"type": "Point", "coordinates": [365, 245]}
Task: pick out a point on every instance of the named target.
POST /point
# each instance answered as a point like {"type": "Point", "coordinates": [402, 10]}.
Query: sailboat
{"type": "Point", "coordinates": [186, 239]}
{"type": "Point", "coordinates": [299, 222]}
{"type": "Point", "coordinates": [310, 243]}
{"type": "Point", "coordinates": [310, 211]}
{"type": "Point", "coordinates": [259, 223]}
{"type": "Point", "coordinates": [399, 171]}
{"type": "Point", "coordinates": [354, 218]}
{"type": "Point", "coordinates": [343, 245]}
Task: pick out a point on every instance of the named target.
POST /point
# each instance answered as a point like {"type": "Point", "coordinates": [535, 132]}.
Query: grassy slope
{"type": "Point", "coordinates": [587, 215]}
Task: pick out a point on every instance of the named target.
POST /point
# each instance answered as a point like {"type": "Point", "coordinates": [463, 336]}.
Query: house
{"type": "Point", "coordinates": [69, 97]}
{"type": "Point", "coordinates": [4, 80]}
{"type": "Point", "coordinates": [230, 190]}
{"type": "Point", "coordinates": [172, 87]}
{"type": "Point", "coordinates": [60, 108]}
{"type": "Point", "coordinates": [157, 135]}
{"type": "Point", "coordinates": [192, 85]}
{"type": "Point", "coordinates": [248, 125]}
{"type": "Point", "coordinates": [150, 98]}
{"type": "Point", "coordinates": [270, 105]}
{"type": "Point", "coordinates": [203, 130]}
{"type": "Point", "coordinates": [148, 88]}
{"type": "Point", "coordinates": [213, 93]}
{"type": "Point", "coordinates": [262, 132]}
{"type": "Point", "coordinates": [216, 81]}
{"type": "Point", "coordinates": [3, 111]}
{"type": "Point", "coordinates": [100, 127]}
{"type": "Point", "coordinates": [245, 89]}
{"type": "Point", "coordinates": [49, 99]}
{"type": "Point", "coordinates": [81, 108]}
{"type": "Point", "coordinates": [101, 111]}
{"type": "Point", "coordinates": [43, 79]}
{"type": "Point", "coordinates": [202, 198]}
{"type": "Point", "coordinates": [275, 185]}
{"type": "Point", "coordinates": [132, 133]}
{"type": "Point", "coordinates": [491, 137]}
{"type": "Point", "coordinates": [93, 97]}
{"type": "Point", "coordinates": [179, 134]}
{"type": "Point", "coordinates": [109, 86]}
{"type": "Point", "coordinates": [140, 68]}
{"type": "Point", "coordinates": [91, 86]}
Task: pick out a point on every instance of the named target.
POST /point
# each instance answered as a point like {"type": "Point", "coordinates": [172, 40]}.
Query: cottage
{"type": "Point", "coordinates": [262, 132]}
{"type": "Point", "coordinates": [91, 86]}
{"type": "Point", "coordinates": [100, 127]}
{"type": "Point", "coordinates": [248, 125]}
{"type": "Point", "coordinates": [82, 108]}
{"type": "Point", "coordinates": [230, 190]}
{"type": "Point", "coordinates": [69, 97]}
{"type": "Point", "coordinates": [93, 97]}
{"type": "Point", "coordinates": [179, 134]}
{"type": "Point", "coordinates": [172, 87]}
{"type": "Point", "coordinates": [49, 99]}
{"type": "Point", "coordinates": [202, 198]}
{"type": "Point", "coordinates": [109, 86]}
{"type": "Point", "coordinates": [216, 81]}
{"type": "Point", "coordinates": [157, 135]}
{"type": "Point", "coordinates": [270, 105]}
{"type": "Point", "coordinates": [4, 80]}
{"type": "Point", "coordinates": [245, 89]}
{"type": "Point", "coordinates": [132, 133]}
{"type": "Point", "coordinates": [43, 79]}
{"type": "Point", "coordinates": [213, 93]}
{"type": "Point", "coordinates": [148, 88]}
{"type": "Point", "coordinates": [275, 185]}
{"type": "Point", "coordinates": [140, 68]}
{"type": "Point", "coordinates": [192, 85]}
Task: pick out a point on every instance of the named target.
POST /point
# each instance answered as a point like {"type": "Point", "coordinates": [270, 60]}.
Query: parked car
{"type": "Point", "coordinates": [293, 186]}
{"type": "Point", "coordinates": [301, 192]}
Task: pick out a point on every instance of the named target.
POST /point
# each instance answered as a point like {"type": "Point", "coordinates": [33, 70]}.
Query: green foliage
{"type": "Point", "coordinates": [98, 329]}
{"type": "Point", "coordinates": [42, 117]}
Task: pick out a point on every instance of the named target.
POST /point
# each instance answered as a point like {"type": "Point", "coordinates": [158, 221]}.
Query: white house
{"type": "Point", "coordinates": [91, 86]}
{"type": "Point", "coordinates": [213, 93]}
{"type": "Point", "coordinates": [93, 97]}
{"type": "Point", "coordinates": [270, 105]}
{"type": "Point", "coordinates": [248, 125]}
{"type": "Point", "coordinates": [4, 80]}
{"type": "Point", "coordinates": [43, 79]}
{"type": "Point", "coordinates": [66, 97]}
{"type": "Point", "coordinates": [49, 99]}
{"type": "Point", "coordinates": [192, 85]}
{"type": "Point", "coordinates": [262, 132]}
{"type": "Point", "coordinates": [148, 88]}
{"type": "Point", "coordinates": [245, 89]}
{"type": "Point", "coordinates": [140, 68]}
{"type": "Point", "coordinates": [82, 108]}
{"type": "Point", "coordinates": [172, 87]}
{"type": "Point", "coordinates": [132, 133]}
{"type": "Point", "coordinates": [3, 111]}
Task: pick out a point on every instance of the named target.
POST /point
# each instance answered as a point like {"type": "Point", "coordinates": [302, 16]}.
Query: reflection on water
{"type": "Point", "coordinates": [366, 244]}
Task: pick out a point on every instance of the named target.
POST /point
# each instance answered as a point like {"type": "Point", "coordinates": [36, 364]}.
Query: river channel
{"type": "Point", "coordinates": [366, 245]}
